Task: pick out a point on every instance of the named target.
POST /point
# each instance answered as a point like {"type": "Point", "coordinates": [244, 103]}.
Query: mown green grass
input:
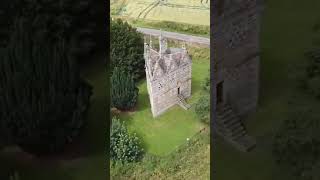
{"type": "Point", "coordinates": [286, 34]}
{"type": "Point", "coordinates": [190, 161]}
{"type": "Point", "coordinates": [163, 134]}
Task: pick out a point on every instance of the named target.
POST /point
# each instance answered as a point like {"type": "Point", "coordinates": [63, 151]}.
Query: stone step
{"type": "Point", "coordinates": [224, 114]}
{"type": "Point", "coordinates": [182, 102]}
{"type": "Point", "coordinates": [235, 137]}
{"type": "Point", "coordinates": [232, 122]}
{"type": "Point", "coordinates": [236, 126]}
{"type": "Point", "coordinates": [233, 134]}
{"type": "Point", "coordinates": [237, 132]}
{"type": "Point", "coordinates": [246, 143]}
{"type": "Point", "coordinates": [232, 129]}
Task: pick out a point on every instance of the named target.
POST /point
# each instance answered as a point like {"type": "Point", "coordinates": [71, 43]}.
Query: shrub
{"type": "Point", "coordinates": [312, 78]}
{"type": "Point", "coordinates": [314, 86]}
{"type": "Point", "coordinates": [124, 147]}
{"type": "Point", "coordinates": [206, 84]}
{"type": "Point", "coordinates": [43, 100]}
{"type": "Point", "coordinates": [202, 108]}
{"type": "Point", "coordinates": [126, 49]}
{"type": "Point", "coordinates": [297, 144]}
{"type": "Point", "coordinates": [124, 92]}
{"type": "Point", "coordinates": [73, 20]}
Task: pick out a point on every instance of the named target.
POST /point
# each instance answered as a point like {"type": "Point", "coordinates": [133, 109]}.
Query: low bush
{"type": "Point", "coordinates": [124, 147]}
{"type": "Point", "coordinates": [297, 145]}
{"type": "Point", "coordinates": [202, 108]}
{"type": "Point", "coordinates": [311, 80]}
{"type": "Point", "coordinates": [206, 84]}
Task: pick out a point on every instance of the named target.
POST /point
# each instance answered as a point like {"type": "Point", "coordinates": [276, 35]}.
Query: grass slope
{"type": "Point", "coordinates": [190, 161]}
{"type": "Point", "coordinates": [286, 34]}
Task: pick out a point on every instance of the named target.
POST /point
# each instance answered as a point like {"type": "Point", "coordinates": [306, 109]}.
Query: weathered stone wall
{"type": "Point", "coordinates": [163, 92]}
{"type": "Point", "coordinates": [242, 92]}
{"type": "Point", "coordinates": [236, 55]}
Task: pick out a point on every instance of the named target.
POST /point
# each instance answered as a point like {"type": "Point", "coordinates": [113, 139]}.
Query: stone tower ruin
{"type": "Point", "coordinates": [236, 69]}
{"type": "Point", "coordinates": [168, 74]}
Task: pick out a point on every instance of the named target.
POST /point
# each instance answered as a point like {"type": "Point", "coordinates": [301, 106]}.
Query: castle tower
{"type": "Point", "coordinates": [163, 44]}
{"type": "Point", "coordinates": [168, 74]}
{"type": "Point", "coordinates": [236, 66]}
{"type": "Point", "coordinates": [236, 53]}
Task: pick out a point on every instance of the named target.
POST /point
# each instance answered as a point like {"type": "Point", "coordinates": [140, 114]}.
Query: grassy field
{"type": "Point", "coordinates": [163, 134]}
{"type": "Point", "coordinates": [286, 34]}
{"type": "Point", "coordinates": [90, 162]}
{"type": "Point", "coordinates": [168, 154]}
{"type": "Point", "coordinates": [190, 161]}
{"type": "Point", "coordinates": [183, 11]}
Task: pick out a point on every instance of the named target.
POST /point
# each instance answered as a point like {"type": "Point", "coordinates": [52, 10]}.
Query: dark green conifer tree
{"type": "Point", "coordinates": [43, 100]}
{"type": "Point", "coordinates": [124, 92]}
{"type": "Point", "coordinates": [126, 48]}
{"type": "Point", "coordinates": [76, 21]}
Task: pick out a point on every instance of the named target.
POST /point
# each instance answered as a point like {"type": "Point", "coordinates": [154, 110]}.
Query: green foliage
{"type": "Point", "coordinates": [202, 108]}
{"type": "Point", "coordinates": [206, 84]}
{"type": "Point", "coordinates": [73, 20]}
{"type": "Point", "coordinates": [311, 80]}
{"type": "Point", "coordinates": [42, 97]}
{"type": "Point", "coordinates": [124, 93]}
{"type": "Point", "coordinates": [297, 145]}
{"type": "Point", "coordinates": [190, 161]}
{"type": "Point", "coordinates": [314, 86]}
{"type": "Point", "coordinates": [126, 49]}
{"type": "Point", "coordinates": [124, 147]}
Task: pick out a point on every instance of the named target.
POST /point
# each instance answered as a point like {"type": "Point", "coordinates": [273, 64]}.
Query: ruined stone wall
{"type": "Point", "coordinates": [163, 92]}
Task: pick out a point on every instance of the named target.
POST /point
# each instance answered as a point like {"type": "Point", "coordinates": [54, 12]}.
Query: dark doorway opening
{"type": "Point", "coordinates": [178, 90]}
{"type": "Point", "coordinates": [220, 92]}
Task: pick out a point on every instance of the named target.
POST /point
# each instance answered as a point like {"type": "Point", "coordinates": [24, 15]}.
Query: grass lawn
{"type": "Point", "coordinates": [183, 11]}
{"type": "Point", "coordinates": [165, 133]}
{"type": "Point", "coordinates": [286, 34]}
{"type": "Point", "coordinates": [190, 161]}
{"type": "Point", "coordinates": [91, 163]}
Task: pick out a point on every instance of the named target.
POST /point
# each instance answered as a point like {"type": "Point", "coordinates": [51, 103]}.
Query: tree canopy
{"type": "Point", "coordinates": [126, 48]}
{"type": "Point", "coordinates": [42, 96]}
{"type": "Point", "coordinates": [124, 93]}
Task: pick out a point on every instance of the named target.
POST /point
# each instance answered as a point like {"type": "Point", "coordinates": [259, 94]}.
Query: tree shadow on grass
{"type": "Point", "coordinates": [143, 101]}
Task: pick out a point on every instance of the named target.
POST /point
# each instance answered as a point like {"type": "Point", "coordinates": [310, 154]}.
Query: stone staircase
{"type": "Point", "coordinates": [182, 102]}
{"type": "Point", "coordinates": [231, 128]}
